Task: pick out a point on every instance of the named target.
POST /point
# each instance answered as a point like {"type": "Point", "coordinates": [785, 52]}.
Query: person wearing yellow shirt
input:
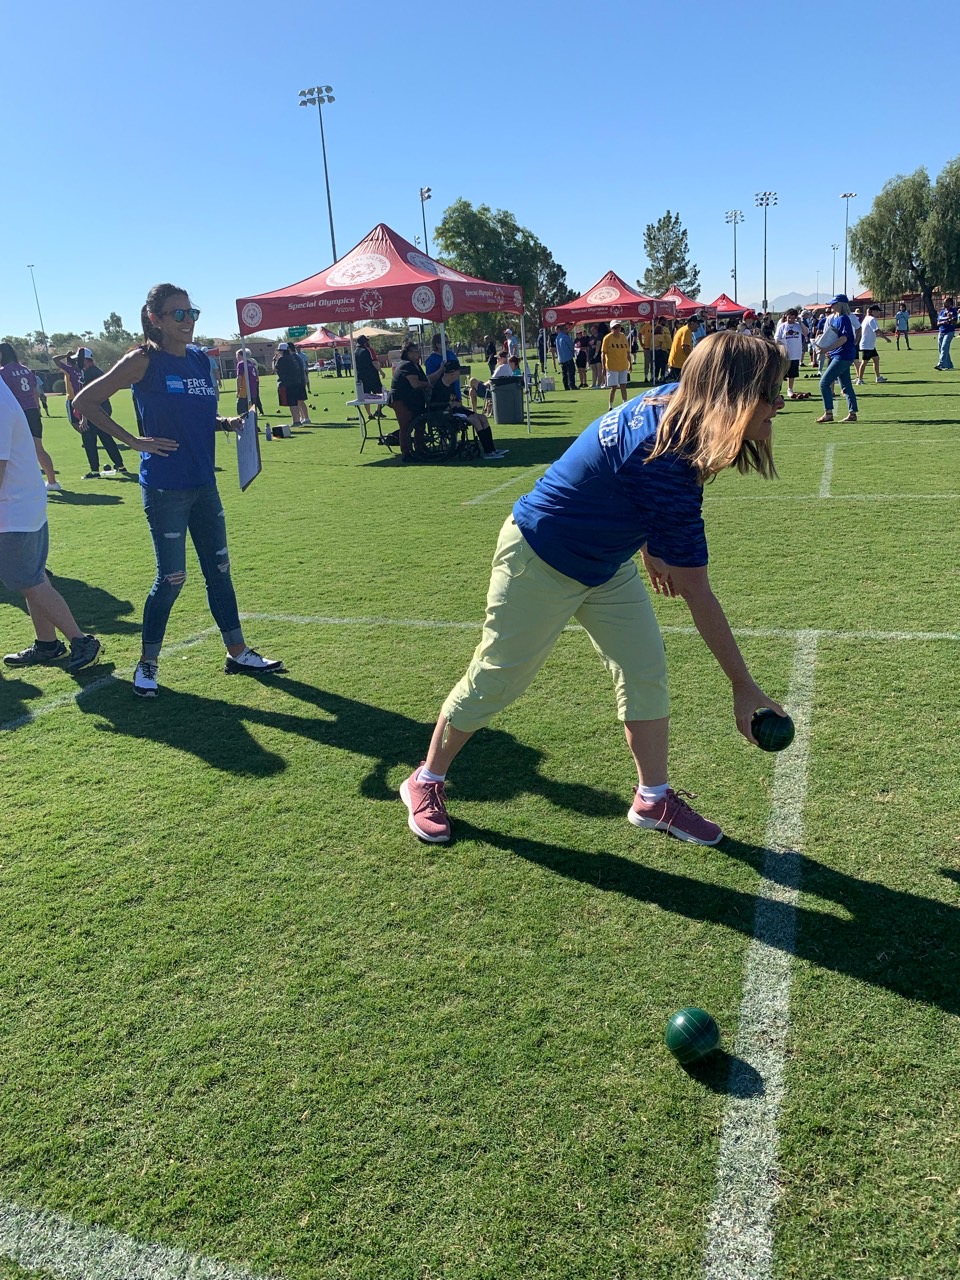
{"type": "Point", "coordinates": [683, 343]}
{"type": "Point", "coordinates": [616, 359]}
{"type": "Point", "coordinates": [645, 334]}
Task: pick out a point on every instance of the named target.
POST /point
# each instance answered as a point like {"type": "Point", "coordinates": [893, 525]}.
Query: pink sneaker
{"type": "Point", "coordinates": [673, 815]}
{"type": "Point", "coordinates": [427, 807]}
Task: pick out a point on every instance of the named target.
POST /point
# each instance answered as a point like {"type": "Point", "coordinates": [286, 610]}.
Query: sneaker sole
{"type": "Point", "coordinates": [648, 824]}
{"type": "Point", "coordinates": [145, 693]}
{"type": "Point", "coordinates": [39, 662]}
{"type": "Point", "coordinates": [405, 797]}
{"type": "Point", "coordinates": [73, 667]}
{"type": "Point", "coordinates": [250, 671]}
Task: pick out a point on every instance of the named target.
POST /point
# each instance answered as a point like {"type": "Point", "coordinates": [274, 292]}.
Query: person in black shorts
{"type": "Point", "coordinates": [291, 383]}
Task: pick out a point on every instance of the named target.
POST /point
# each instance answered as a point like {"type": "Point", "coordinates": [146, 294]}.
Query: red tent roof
{"type": "Point", "coordinates": [382, 276]}
{"type": "Point", "coordinates": [609, 297]}
{"type": "Point", "coordinates": [686, 306]}
{"type": "Point", "coordinates": [725, 306]}
{"type": "Point", "coordinates": [323, 338]}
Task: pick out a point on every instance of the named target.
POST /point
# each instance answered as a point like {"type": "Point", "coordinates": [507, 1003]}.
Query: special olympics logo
{"type": "Point", "coordinates": [423, 263]}
{"type": "Point", "coordinates": [606, 293]}
{"type": "Point", "coordinates": [644, 308]}
{"type": "Point", "coordinates": [251, 314]}
{"type": "Point", "coordinates": [550, 317]}
{"type": "Point", "coordinates": [359, 270]}
{"type": "Point", "coordinates": [370, 301]}
{"type": "Point", "coordinates": [447, 295]}
{"type": "Point", "coordinates": [517, 298]}
{"type": "Point", "coordinates": [423, 299]}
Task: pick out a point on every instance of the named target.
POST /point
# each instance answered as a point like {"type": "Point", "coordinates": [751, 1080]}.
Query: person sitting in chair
{"type": "Point", "coordinates": [444, 396]}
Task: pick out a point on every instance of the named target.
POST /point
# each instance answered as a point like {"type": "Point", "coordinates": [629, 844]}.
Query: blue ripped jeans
{"type": "Point", "coordinates": [171, 514]}
{"type": "Point", "coordinates": [840, 370]}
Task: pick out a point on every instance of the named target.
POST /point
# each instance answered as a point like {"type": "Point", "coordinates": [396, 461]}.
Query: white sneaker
{"type": "Point", "coordinates": [251, 663]}
{"type": "Point", "coordinates": [859, 382]}
{"type": "Point", "coordinates": [497, 453]}
{"type": "Point", "coordinates": [53, 486]}
{"type": "Point", "coordinates": [145, 679]}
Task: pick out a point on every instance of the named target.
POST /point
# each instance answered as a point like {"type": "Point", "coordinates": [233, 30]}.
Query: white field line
{"type": "Point", "coordinates": [827, 477]}
{"type": "Point", "coordinates": [52, 1243]}
{"type": "Point", "coordinates": [437, 624]}
{"type": "Point", "coordinates": [740, 1227]}
{"type": "Point", "coordinates": [66, 698]}
{"type": "Point", "coordinates": [508, 484]}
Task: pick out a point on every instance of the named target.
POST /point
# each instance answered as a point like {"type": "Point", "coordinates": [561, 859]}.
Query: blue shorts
{"type": "Point", "coordinates": [23, 558]}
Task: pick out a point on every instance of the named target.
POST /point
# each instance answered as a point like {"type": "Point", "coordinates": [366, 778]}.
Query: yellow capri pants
{"type": "Point", "coordinates": [528, 606]}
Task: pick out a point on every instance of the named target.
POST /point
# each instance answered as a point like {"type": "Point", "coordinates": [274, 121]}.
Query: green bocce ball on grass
{"type": "Point", "coordinates": [772, 732]}
{"type": "Point", "coordinates": [691, 1034]}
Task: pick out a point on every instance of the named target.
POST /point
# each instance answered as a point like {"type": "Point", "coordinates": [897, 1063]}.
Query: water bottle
{"type": "Point", "coordinates": [269, 431]}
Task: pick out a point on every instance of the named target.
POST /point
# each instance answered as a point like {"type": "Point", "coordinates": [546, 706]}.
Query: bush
{"type": "Point", "coordinates": [58, 387]}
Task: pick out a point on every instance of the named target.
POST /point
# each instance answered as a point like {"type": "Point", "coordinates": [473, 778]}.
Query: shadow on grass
{"type": "Point", "coordinates": [725, 1073]}
{"type": "Point", "coordinates": [524, 451]}
{"type": "Point", "coordinates": [218, 733]}
{"type": "Point", "coordinates": [893, 940]}
{"type": "Point", "coordinates": [16, 694]}
{"type": "Point", "coordinates": [69, 498]}
{"type": "Point", "coordinates": [94, 608]}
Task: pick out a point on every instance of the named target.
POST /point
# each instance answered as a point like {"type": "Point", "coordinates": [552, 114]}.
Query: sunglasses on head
{"type": "Point", "coordinates": [182, 313]}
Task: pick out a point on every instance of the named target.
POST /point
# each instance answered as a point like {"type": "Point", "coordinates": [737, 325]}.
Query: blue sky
{"type": "Point", "coordinates": [167, 142]}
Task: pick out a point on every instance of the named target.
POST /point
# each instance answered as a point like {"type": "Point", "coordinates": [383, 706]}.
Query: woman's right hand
{"type": "Point", "coordinates": [156, 444]}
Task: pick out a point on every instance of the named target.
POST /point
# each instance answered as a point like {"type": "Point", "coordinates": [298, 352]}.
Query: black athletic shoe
{"type": "Point", "coordinates": [84, 652]}
{"type": "Point", "coordinates": [36, 655]}
{"type": "Point", "coordinates": [250, 663]}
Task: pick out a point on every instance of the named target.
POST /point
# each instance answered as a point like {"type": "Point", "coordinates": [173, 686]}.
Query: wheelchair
{"type": "Point", "coordinates": [438, 436]}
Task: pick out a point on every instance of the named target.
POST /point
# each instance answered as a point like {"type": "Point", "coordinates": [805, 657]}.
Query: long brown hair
{"type": "Point", "coordinates": [724, 378]}
{"type": "Point", "coordinates": [157, 296]}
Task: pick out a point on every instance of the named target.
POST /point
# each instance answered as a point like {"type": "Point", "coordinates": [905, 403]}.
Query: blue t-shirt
{"type": "Point", "coordinates": [602, 500]}
{"type": "Point", "coordinates": [947, 320]}
{"type": "Point", "coordinates": [848, 348]}
{"type": "Point", "coordinates": [177, 399]}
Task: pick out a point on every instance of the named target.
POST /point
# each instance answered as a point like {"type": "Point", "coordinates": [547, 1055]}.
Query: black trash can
{"type": "Point", "coordinates": [507, 396]}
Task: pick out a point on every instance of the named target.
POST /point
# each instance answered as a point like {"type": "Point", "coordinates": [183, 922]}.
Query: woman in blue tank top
{"type": "Point", "coordinates": [176, 403]}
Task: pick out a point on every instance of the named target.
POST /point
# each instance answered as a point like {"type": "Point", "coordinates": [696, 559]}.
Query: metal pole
{"type": "Point", "coordinates": [423, 213]}
{"type": "Point", "coordinates": [764, 257]}
{"type": "Point", "coordinates": [846, 237]}
{"type": "Point", "coordinates": [833, 278]}
{"type": "Point", "coordinates": [735, 261]}
{"type": "Point", "coordinates": [326, 178]}
{"type": "Point", "coordinates": [43, 331]}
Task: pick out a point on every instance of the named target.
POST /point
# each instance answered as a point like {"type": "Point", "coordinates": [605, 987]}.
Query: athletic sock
{"type": "Point", "coordinates": [426, 776]}
{"type": "Point", "coordinates": [47, 644]}
{"type": "Point", "coordinates": [652, 794]}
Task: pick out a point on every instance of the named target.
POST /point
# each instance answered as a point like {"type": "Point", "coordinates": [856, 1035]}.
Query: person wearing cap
{"type": "Point", "coordinates": [841, 354]}
{"type": "Point", "coordinates": [698, 328]}
{"type": "Point", "coordinates": [748, 324]}
{"type": "Point", "coordinates": [511, 343]}
{"type": "Point", "coordinates": [790, 334]}
{"type": "Point", "coordinates": [631, 483]}
{"type": "Point", "coordinates": [80, 370]}
{"type": "Point", "coordinates": [617, 360]}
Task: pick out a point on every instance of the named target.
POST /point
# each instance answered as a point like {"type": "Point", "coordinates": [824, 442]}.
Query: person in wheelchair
{"type": "Point", "coordinates": [444, 396]}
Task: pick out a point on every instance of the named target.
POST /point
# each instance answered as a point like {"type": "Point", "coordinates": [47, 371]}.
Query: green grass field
{"type": "Point", "coordinates": [247, 1015]}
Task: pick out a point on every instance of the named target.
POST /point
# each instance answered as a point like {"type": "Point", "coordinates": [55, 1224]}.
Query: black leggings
{"type": "Point", "coordinates": [89, 438]}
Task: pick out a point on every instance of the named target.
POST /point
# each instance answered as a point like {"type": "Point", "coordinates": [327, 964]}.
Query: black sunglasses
{"type": "Point", "coordinates": [181, 313]}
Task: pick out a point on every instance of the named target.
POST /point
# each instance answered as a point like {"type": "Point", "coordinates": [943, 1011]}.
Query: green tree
{"type": "Point", "coordinates": [492, 245]}
{"type": "Point", "coordinates": [909, 242]}
{"type": "Point", "coordinates": [113, 331]}
{"type": "Point", "coordinates": [668, 252]}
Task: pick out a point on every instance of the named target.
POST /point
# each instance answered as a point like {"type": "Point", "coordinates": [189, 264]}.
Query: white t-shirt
{"type": "Point", "coordinates": [502, 371]}
{"type": "Point", "coordinates": [23, 498]}
{"type": "Point", "coordinates": [857, 324]}
{"type": "Point", "coordinates": [868, 334]}
{"type": "Point", "coordinates": [790, 335]}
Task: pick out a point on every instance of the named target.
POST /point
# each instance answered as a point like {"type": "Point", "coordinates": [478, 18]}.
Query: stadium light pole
{"type": "Point", "coordinates": [763, 200]}
{"type": "Point", "coordinates": [319, 95]}
{"type": "Point", "coordinates": [425, 194]}
{"type": "Point", "coordinates": [833, 278]}
{"type": "Point", "coordinates": [46, 344]}
{"type": "Point", "coordinates": [847, 196]}
{"type": "Point", "coordinates": [734, 216]}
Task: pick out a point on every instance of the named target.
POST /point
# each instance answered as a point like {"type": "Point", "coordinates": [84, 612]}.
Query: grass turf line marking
{"type": "Point", "coordinates": [53, 1243]}
{"type": "Point", "coordinates": [482, 497]}
{"type": "Point", "coordinates": [827, 477]}
{"type": "Point", "coordinates": [740, 1228]}
{"type": "Point", "coordinates": [66, 698]}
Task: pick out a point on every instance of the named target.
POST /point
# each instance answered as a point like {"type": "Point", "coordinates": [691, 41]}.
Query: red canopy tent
{"type": "Point", "coordinates": [323, 338]}
{"type": "Point", "coordinates": [725, 306]}
{"type": "Point", "coordinates": [686, 306]}
{"type": "Point", "coordinates": [382, 276]}
{"type": "Point", "coordinates": [609, 297]}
